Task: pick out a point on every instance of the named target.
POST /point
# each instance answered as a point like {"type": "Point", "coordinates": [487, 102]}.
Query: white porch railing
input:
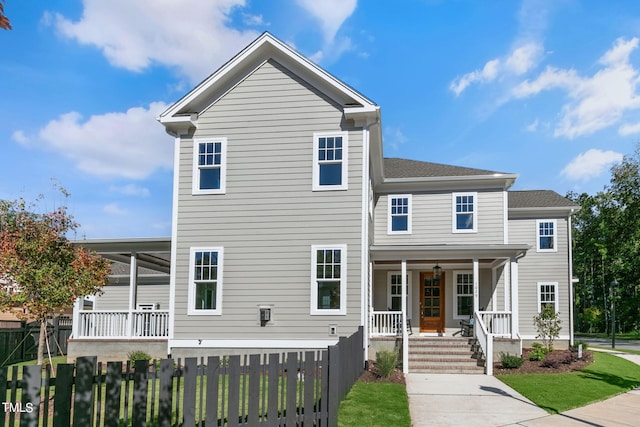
{"type": "Point", "coordinates": [497, 323]}
{"type": "Point", "coordinates": [117, 324]}
{"type": "Point", "coordinates": [385, 323]}
{"type": "Point", "coordinates": [485, 340]}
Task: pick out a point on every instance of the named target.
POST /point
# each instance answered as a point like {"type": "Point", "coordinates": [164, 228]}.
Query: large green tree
{"type": "Point", "coordinates": [607, 247]}
{"type": "Point", "coordinates": [42, 271]}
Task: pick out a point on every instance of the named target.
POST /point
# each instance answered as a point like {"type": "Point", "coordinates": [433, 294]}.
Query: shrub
{"type": "Point", "coordinates": [538, 352]}
{"type": "Point", "coordinates": [138, 355]}
{"type": "Point", "coordinates": [547, 323]}
{"type": "Point", "coordinates": [510, 361]}
{"type": "Point", "coordinates": [386, 362]}
{"type": "Point", "coordinates": [551, 360]}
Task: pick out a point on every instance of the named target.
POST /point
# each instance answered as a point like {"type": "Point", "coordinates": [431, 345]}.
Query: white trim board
{"type": "Point", "coordinates": [288, 343]}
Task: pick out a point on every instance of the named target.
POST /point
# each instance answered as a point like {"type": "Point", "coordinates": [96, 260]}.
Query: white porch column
{"type": "Point", "coordinates": [133, 291]}
{"type": "Point", "coordinates": [507, 286]}
{"type": "Point", "coordinates": [405, 333]}
{"type": "Point", "coordinates": [476, 285]}
{"type": "Point", "coordinates": [514, 298]}
{"type": "Point", "coordinates": [75, 322]}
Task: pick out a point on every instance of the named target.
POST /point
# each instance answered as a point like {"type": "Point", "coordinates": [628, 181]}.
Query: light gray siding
{"type": "Point", "coordinates": [432, 215]}
{"type": "Point", "coordinates": [538, 267]}
{"type": "Point", "coordinates": [269, 217]}
{"type": "Point", "coordinates": [115, 296]}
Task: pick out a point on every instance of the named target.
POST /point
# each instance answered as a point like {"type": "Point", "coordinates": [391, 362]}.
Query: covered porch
{"type": "Point", "coordinates": [133, 309]}
{"type": "Point", "coordinates": [435, 290]}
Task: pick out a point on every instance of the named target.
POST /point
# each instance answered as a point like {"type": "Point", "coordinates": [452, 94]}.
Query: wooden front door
{"type": "Point", "coordinates": [431, 303]}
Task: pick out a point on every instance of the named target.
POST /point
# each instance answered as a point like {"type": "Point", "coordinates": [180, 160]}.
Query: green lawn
{"type": "Point", "coordinates": [606, 377]}
{"type": "Point", "coordinates": [375, 405]}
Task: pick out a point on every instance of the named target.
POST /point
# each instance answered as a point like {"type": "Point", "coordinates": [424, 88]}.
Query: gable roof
{"type": "Point", "coordinates": [404, 168]}
{"type": "Point", "coordinates": [533, 199]}
{"type": "Point", "coordinates": [183, 114]}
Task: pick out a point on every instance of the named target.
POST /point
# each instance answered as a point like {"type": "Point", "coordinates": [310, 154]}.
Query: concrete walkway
{"type": "Point", "coordinates": [482, 400]}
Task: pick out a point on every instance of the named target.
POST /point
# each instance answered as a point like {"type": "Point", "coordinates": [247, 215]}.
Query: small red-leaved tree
{"type": "Point", "coordinates": [42, 272]}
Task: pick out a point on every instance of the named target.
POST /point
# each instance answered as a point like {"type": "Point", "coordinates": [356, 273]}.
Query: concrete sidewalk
{"type": "Point", "coordinates": [482, 400]}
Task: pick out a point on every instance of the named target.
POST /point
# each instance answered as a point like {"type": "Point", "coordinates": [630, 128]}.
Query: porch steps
{"type": "Point", "coordinates": [444, 355]}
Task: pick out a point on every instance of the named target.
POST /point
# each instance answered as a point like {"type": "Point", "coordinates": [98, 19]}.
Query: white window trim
{"type": "Point", "coordinates": [454, 216]}
{"type": "Point", "coordinates": [409, 290]}
{"type": "Point", "coordinates": [455, 293]}
{"type": "Point", "coordinates": [192, 311]}
{"type": "Point", "coordinates": [555, 295]}
{"type": "Point", "coordinates": [390, 197]}
{"type": "Point", "coordinates": [316, 163]}
{"type": "Point", "coordinates": [343, 281]}
{"type": "Point", "coordinates": [555, 235]}
{"type": "Point", "coordinates": [196, 169]}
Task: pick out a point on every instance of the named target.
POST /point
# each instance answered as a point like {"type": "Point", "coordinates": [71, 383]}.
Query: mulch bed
{"type": "Point", "coordinates": [556, 362]}
{"type": "Point", "coordinates": [371, 375]}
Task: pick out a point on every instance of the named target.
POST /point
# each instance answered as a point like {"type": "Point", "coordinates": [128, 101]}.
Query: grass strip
{"type": "Point", "coordinates": [606, 377]}
{"type": "Point", "coordinates": [375, 405]}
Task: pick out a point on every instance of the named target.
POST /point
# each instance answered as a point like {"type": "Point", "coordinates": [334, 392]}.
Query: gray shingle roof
{"type": "Point", "coordinates": [404, 168]}
{"type": "Point", "coordinates": [538, 199]}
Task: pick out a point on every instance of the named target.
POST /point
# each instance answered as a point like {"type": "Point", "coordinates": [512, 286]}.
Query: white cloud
{"type": "Point", "coordinates": [629, 129]}
{"type": "Point", "coordinates": [519, 61]}
{"type": "Point", "coordinates": [533, 126]}
{"type": "Point", "coordinates": [114, 209]}
{"type": "Point", "coordinates": [594, 102]}
{"type": "Point", "coordinates": [523, 58]}
{"type": "Point", "coordinates": [131, 190]}
{"type": "Point", "coordinates": [590, 164]}
{"type": "Point", "coordinates": [331, 14]}
{"type": "Point", "coordinates": [134, 34]}
{"type": "Point", "coordinates": [20, 137]}
{"type": "Point", "coordinates": [130, 144]}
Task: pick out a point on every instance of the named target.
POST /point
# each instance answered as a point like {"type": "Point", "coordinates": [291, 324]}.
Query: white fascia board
{"type": "Point", "coordinates": [264, 343]}
{"type": "Point", "coordinates": [549, 210]}
{"type": "Point", "coordinates": [466, 183]}
{"type": "Point", "coordinates": [244, 56]}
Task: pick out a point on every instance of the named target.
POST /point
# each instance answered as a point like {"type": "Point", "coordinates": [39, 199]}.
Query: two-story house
{"type": "Point", "coordinates": [291, 229]}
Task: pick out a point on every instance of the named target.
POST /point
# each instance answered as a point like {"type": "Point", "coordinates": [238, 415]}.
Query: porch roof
{"type": "Point", "coordinates": [446, 252]}
{"type": "Point", "coordinates": [151, 253]}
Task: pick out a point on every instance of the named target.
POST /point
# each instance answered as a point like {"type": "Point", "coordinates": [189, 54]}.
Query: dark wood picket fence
{"type": "Point", "coordinates": [288, 389]}
{"type": "Point", "coordinates": [19, 340]}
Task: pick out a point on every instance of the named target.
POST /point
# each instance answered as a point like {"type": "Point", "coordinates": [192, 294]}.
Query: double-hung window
{"type": "Point", "coordinates": [465, 212]}
{"type": "Point", "coordinates": [328, 279]}
{"type": "Point", "coordinates": [330, 154]}
{"type": "Point", "coordinates": [209, 165]}
{"type": "Point", "coordinates": [464, 295]}
{"type": "Point", "coordinates": [399, 214]}
{"type": "Point", "coordinates": [205, 281]}
{"type": "Point", "coordinates": [547, 295]}
{"type": "Point", "coordinates": [394, 299]}
{"type": "Point", "coordinates": [547, 232]}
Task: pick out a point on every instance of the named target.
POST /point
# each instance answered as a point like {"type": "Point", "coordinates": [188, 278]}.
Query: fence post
{"type": "Point", "coordinates": [333, 395]}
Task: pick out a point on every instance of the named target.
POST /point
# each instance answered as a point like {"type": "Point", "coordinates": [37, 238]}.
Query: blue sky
{"type": "Point", "coordinates": [545, 89]}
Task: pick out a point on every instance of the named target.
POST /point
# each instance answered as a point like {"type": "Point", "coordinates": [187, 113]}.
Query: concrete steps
{"type": "Point", "coordinates": [444, 355]}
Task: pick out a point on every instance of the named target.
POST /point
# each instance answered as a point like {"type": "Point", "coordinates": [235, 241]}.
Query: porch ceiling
{"type": "Point", "coordinates": [152, 253]}
{"type": "Point", "coordinates": [422, 253]}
